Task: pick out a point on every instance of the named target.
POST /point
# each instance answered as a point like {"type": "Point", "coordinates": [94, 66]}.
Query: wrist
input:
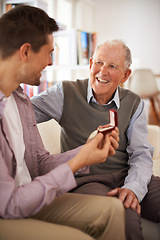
{"type": "Point", "coordinates": [74, 164]}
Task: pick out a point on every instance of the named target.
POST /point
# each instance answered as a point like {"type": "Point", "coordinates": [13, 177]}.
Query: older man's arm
{"type": "Point", "coordinates": [140, 161]}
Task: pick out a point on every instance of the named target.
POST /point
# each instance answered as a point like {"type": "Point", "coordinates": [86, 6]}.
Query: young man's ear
{"type": "Point", "coordinates": [126, 75]}
{"type": "Point", "coordinates": [25, 50]}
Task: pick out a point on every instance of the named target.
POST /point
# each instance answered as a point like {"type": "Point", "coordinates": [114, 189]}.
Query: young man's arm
{"type": "Point", "coordinates": [28, 199]}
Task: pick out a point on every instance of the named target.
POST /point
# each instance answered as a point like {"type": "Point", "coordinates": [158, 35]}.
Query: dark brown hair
{"type": "Point", "coordinates": [24, 24]}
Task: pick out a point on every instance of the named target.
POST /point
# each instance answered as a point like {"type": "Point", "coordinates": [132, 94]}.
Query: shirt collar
{"type": "Point", "coordinates": [1, 95]}
{"type": "Point", "coordinates": [3, 100]}
{"type": "Point", "coordinates": [90, 96]}
{"type": "Point", "coordinates": [20, 92]}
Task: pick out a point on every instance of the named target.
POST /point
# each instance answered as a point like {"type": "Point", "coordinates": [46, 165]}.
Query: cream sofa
{"type": "Point", "coordinates": [50, 133]}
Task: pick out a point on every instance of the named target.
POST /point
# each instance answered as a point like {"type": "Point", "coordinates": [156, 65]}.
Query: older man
{"type": "Point", "coordinates": [81, 106]}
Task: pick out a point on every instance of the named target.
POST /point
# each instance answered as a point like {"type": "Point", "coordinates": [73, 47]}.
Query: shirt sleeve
{"type": "Point", "coordinates": [49, 104]}
{"type": "Point", "coordinates": [140, 154]}
{"type": "Point", "coordinates": [26, 200]}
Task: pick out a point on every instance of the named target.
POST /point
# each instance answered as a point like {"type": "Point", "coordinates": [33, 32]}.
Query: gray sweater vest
{"type": "Point", "coordinates": [79, 119]}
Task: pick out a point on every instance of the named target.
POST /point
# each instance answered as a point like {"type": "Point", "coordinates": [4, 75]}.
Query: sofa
{"type": "Point", "coordinates": [50, 133]}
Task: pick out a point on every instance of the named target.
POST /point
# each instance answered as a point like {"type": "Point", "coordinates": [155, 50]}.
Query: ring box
{"type": "Point", "coordinates": [113, 117]}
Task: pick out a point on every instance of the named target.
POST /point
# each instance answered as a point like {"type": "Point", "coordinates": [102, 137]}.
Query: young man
{"type": "Point", "coordinates": [129, 171]}
{"type": "Point", "coordinates": [31, 180]}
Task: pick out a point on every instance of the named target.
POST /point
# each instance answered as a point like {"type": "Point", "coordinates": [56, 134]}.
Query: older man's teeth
{"type": "Point", "coordinates": [101, 80]}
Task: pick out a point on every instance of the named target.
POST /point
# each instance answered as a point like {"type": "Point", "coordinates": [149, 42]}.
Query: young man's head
{"type": "Point", "coordinates": [26, 44]}
{"type": "Point", "coordinates": [109, 67]}
{"type": "Point", "coordinates": [24, 24]}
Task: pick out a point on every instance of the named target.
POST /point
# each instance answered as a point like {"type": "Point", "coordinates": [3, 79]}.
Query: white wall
{"type": "Point", "coordinates": [1, 7]}
{"type": "Point", "coordinates": [137, 22]}
{"type": "Point", "coordinates": [84, 15]}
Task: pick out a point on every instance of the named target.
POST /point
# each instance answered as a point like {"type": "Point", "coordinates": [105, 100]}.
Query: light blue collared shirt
{"type": "Point", "coordinates": [49, 104]}
{"type": "Point", "coordinates": [90, 97]}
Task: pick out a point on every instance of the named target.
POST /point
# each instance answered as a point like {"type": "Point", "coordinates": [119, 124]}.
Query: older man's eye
{"type": "Point", "coordinates": [113, 66]}
{"type": "Point", "coordinates": [99, 63]}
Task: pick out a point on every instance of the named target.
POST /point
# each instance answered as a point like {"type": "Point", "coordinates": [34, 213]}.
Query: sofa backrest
{"type": "Point", "coordinates": [50, 133]}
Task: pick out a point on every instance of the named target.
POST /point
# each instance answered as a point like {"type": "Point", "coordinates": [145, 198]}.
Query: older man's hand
{"type": "Point", "coordinates": [127, 197]}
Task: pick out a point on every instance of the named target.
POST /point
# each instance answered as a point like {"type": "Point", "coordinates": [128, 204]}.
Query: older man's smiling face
{"type": "Point", "coordinates": [107, 71]}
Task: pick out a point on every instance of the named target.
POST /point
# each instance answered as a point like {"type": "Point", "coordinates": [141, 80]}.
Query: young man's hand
{"type": "Point", "coordinates": [94, 151]}
{"type": "Point", "coordinates": [114, 139]}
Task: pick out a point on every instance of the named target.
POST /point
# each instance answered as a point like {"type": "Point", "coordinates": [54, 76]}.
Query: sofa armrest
{"type": "Point", "coordinates": [154, 139]}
